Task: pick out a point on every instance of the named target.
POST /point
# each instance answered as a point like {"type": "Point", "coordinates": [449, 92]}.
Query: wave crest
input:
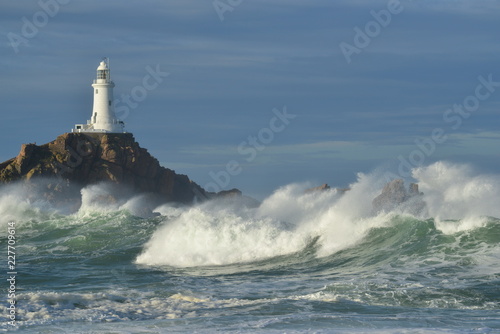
{"type": "Point", "coordinates": [220, 233]}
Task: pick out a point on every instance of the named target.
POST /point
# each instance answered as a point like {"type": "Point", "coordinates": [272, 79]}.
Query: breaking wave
{"type": "Point", "coordinates": [291, 220]}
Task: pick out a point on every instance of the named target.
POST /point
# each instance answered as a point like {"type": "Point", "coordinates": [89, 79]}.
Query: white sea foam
{"type": "Point", "coordinates": [12, 207]}
{"type": "Point", "coordinates": [105, 197]}
{"type": "Point", "coordinates": [454, 191]}
{"type": "Point", "coordinates": [204, 236]}
{"type": "Point", "coordinates": [218, 233]}
{"type": "Point", "coordinates": [465, 224]}
{"type": "Point", "coordinates": [16, 205]}
{"type": "Point", "coordinates": [113, 306]}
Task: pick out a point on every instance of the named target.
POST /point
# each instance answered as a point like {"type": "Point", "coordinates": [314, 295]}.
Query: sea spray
{"type": "Point", "coordinates": [455, 191]}
{"type": "Point", "coordinates": [221, 233]}
{"type": "Point", "coordinates": [202, 236]}
{"type": "Point", "coordinates": [20, 203]}
{"type": "Point", "coordinates": [106, 197]}
{"type": "Point", "coordinates": [12, 207]}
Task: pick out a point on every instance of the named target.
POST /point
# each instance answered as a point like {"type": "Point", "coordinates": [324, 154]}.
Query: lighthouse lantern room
{"type": "Point", "coordinates": [103, 118]}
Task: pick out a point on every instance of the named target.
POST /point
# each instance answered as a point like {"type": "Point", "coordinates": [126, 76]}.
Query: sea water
{"type": "Point", "coordinates": [319, 262]}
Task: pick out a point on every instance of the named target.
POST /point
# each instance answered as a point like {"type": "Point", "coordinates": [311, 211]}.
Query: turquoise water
{"type": "Point", "coordinates": [299, 263]}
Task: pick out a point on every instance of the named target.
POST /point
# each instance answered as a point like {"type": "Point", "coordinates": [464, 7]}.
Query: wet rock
{"type": "Point", "coordinates": [396, 196]}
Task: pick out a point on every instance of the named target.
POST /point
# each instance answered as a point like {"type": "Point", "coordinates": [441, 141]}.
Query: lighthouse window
{"type": "Point", "coordinates": [97, 91]}
{"type": "Point", "coordinates": [109, 103]}
{"type": "Point", "coordinates": [101, 74]}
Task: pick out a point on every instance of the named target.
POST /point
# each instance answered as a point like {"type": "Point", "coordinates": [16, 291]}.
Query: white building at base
{"type": "Point", "coordinates": [103, 117]}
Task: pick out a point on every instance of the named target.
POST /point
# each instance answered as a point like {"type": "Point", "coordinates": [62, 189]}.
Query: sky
{"type": "Point", "coordinates": [259, 94]}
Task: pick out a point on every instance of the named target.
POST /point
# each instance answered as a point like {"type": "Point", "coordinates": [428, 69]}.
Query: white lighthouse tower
{"type": "Point", "coordinates": [103, 117]}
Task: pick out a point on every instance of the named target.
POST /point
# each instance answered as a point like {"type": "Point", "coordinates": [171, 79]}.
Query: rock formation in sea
{"type": "Point", "coordinates": [319, 188]}
{"type": "Point", "coordinates": [75, 160]}
{"type": "Point", "coordinates": [395, 195]}
{"type": "Point", "coordinates": [325, 187]}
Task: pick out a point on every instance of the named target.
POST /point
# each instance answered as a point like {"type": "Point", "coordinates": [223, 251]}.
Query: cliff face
{"type": "Point", "coordinates": [83, 159]}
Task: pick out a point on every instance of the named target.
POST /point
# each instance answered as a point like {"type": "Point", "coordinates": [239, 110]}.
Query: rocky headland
{"type": "Point", "coordinates": [60, 169]}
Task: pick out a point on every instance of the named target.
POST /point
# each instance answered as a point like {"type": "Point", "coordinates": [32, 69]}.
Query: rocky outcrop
{"type": "Point", "coordinates": [319, 188]}
{"type": "Point", "coordinates": [325, 187]}
{"type": "Point", "coordinates": [395, 195]}
{"type": "Point", "coordinates": [75, 160]}
{"type": "Point", "coordinates": [230, 193]}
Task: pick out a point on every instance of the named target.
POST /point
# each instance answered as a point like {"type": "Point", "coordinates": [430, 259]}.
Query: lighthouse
{"type": "Point", "coordinates": [103, 118]}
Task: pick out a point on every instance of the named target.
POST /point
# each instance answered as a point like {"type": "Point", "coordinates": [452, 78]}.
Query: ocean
{"type": "Point", "coordinates": [320, 262]}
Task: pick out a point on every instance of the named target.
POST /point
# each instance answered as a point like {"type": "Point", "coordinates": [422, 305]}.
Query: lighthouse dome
{"type": "Point", "coordinates": [103, 66]}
